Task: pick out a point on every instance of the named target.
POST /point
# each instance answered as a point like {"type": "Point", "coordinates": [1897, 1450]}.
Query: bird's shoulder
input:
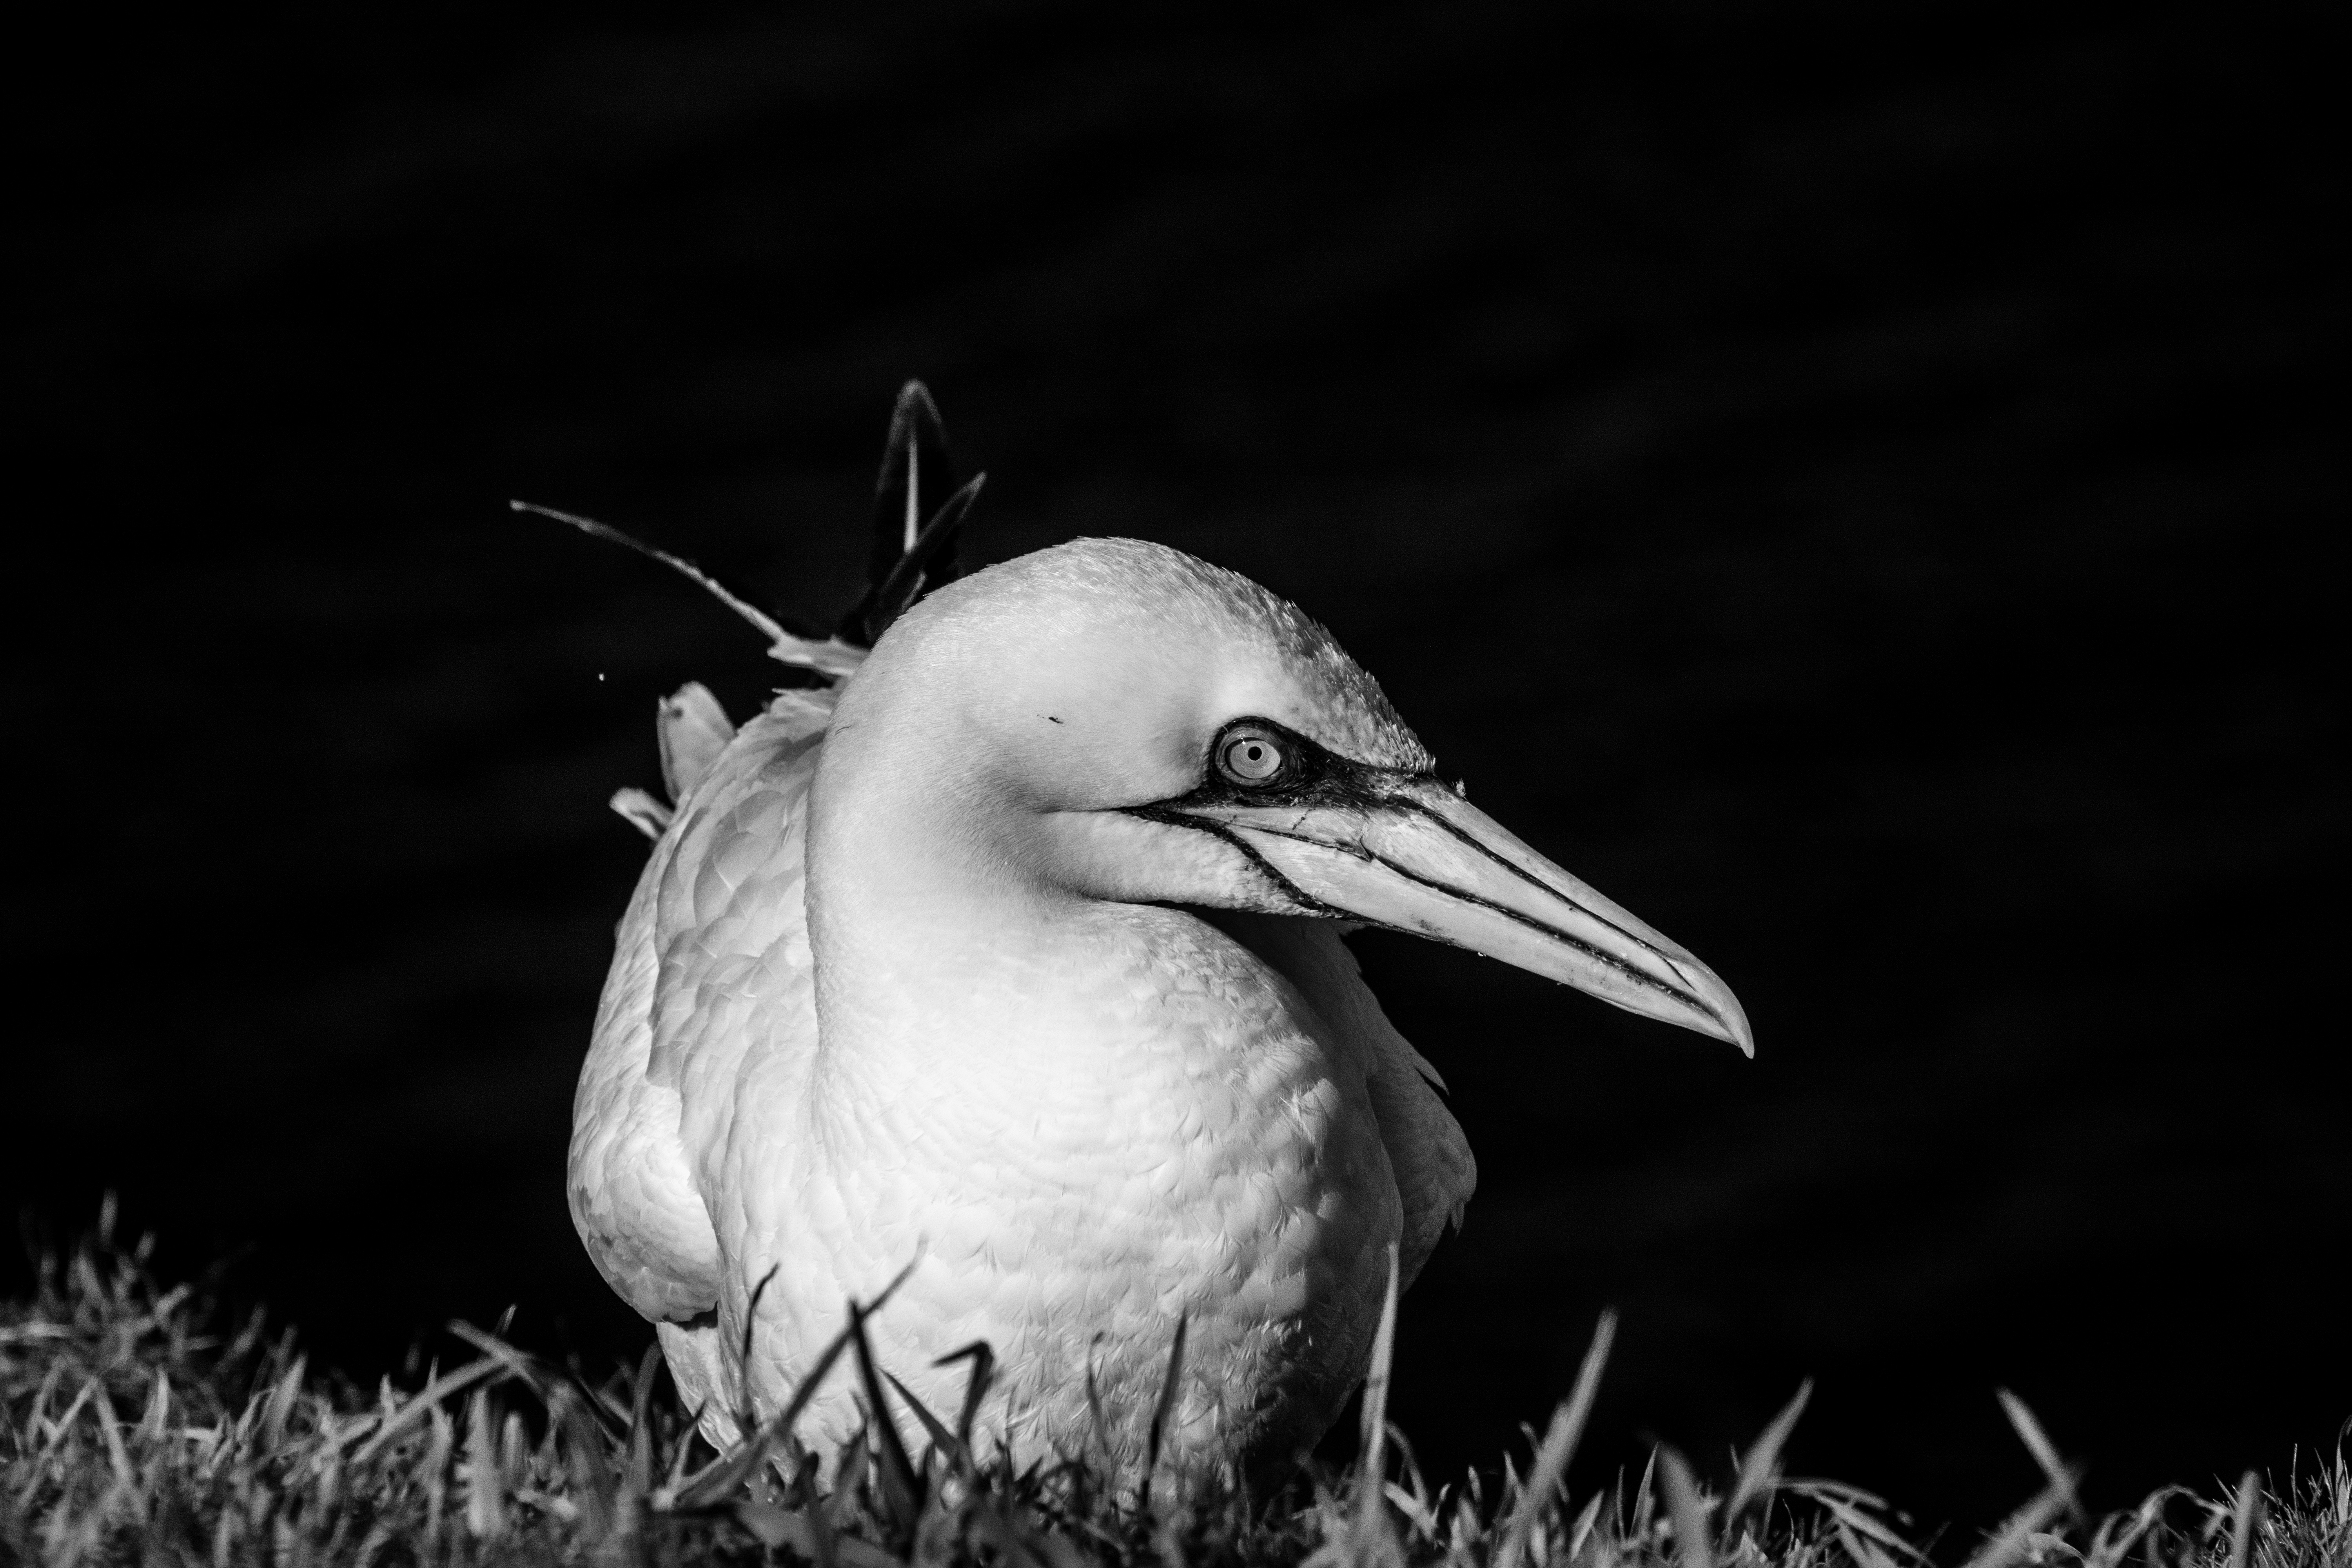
{"type": "Point", "coordinates": [727, 917]}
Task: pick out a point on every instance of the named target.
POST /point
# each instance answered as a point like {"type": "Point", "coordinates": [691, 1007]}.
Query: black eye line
{"type": "Point", "coordinates": [1168, 817]}
{"type": "Point", "coordinates": [1310, 774]}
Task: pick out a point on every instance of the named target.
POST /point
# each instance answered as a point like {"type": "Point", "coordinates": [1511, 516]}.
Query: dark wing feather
{"type": "Point", "coordinates": [916, 532]}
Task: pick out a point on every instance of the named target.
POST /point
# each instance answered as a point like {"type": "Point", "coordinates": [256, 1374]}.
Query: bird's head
{"type": "Point", "coordinates": [1117, 721]}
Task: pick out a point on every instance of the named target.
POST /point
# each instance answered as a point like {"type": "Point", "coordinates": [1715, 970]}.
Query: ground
{"type": "Point", "coordinates": [137, 1429]}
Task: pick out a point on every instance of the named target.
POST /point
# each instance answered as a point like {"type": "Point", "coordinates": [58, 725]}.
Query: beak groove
{"type": "Point", "coordinates": [1624, 931]}
{"type": "Point", "coordinates": [1414, 856]}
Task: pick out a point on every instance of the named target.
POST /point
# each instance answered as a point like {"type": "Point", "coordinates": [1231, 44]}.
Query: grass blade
{"type": "Point", "coordinates": [2242, 1525]}
{"type": "Point", "coordinates": [975, 1388]}
{"type": "Point", "coordinates": [731, 1469]}
{"type": "Point", "coordinates": [1761, 1466]}
{"type": "Point", "coordinates": [2038, 1444]}
{"type": "Point", "coordinates": [1372, 1466]}
{"type": "Point", "coordinates": [428, 1398]}
{"type": "Point", "coordinates": [1163, 1408]}
{"type": "Point", "coordinates": [933, 1427]}
{"type": "Point", "coordinates": [900, 1490]}
{"type": "Point", "coordinates": [1560, 1444]}
{"type": "Point", "coordinates": [485, 1488]}
{"type": "Point", "coordinates": [283, 1401]}
{"type": "Point", "coordinates": [1691, 1544]}
{"type": "Point", "coordinates": [593, 1492]}
{"type": "Point", "coordinates": [641, 1435]}
{"type": "Point", "coordinates": [1095, 1409]}
{"type": "Point", "coordinates": [2016, 1538]}
{"type": "Point", "coordinates": [517, 1363]}
{"type": "Point", "coordinates": [747, 1420]}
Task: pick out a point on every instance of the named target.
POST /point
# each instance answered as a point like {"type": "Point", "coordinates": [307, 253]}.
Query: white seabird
{"type": "Point", "coordinates": [1015, 955]}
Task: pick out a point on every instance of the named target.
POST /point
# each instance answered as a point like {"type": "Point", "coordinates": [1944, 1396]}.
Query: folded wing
{"type": "Point", "coordinates": [716, 932]}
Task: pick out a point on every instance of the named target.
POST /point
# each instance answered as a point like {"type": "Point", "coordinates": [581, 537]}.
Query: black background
{"type": "Point", "coordinates": [1853, 492]}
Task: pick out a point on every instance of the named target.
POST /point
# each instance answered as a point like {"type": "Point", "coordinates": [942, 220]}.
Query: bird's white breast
{"type": "Point", "coordinates": [1139, 1126]}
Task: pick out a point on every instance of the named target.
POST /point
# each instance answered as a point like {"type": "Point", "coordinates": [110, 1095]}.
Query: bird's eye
{"type": "Point", "coordinates": [1250, 757]}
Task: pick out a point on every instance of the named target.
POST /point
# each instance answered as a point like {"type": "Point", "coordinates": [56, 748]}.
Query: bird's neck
{"type": "Point", "coordinates": [969, 1010]}
{"type": "Point", "coordinates": [940, 954]}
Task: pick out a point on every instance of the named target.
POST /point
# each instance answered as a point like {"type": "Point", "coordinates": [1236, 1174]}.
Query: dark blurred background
{"type": "Point", "coordinates": [1852, 486]}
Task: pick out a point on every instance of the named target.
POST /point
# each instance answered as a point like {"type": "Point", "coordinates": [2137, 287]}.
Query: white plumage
{"type": "Point", "coordinates": [1016, 957]}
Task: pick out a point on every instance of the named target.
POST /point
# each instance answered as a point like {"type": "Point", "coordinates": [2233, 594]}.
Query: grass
{"type": "Point", "coordinates": [134, 1426]}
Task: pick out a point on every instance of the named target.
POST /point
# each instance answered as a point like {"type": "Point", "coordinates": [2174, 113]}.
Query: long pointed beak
{"type": "Point", "coordinates": [1417, 858]}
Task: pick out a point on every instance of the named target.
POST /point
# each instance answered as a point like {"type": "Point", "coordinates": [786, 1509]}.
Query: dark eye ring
{"type": "Point", "coordinates": [1250, 758]}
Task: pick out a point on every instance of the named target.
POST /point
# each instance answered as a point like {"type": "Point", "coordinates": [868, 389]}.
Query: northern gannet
{"type": "Point", "coordinates": [1013, 954]}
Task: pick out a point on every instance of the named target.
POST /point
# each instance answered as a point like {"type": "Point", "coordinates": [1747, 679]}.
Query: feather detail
{"type": "Point", "coordinates": [692, 729]}
{"type": "Point", "coordinates": [831, 656]}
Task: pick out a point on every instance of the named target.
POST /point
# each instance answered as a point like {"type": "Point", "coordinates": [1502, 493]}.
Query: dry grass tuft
{"type": "Point", "coordinates": [129, 1431]}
